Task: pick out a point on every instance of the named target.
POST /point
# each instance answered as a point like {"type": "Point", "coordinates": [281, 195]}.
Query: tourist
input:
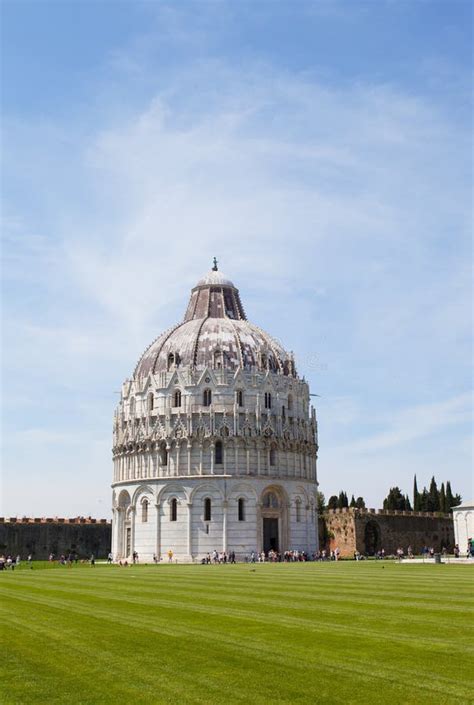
{"type": "Point", "coordinates": [110, 558]}
{"type": "Point", "coordinates": [92, 560]}
{"type": "Point", "coordinates": [30, 561]}
{"type": "Point", "coordinates": [170, 556]}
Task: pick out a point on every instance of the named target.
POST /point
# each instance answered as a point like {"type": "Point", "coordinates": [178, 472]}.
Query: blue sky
{"type": "Point", "coordinates": [320, 149]}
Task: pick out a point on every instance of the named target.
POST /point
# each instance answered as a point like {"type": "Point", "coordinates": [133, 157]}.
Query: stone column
{"type": "Point", "coordinates": [224, 525]}
{"type": "Point", "coordinates": [158, 531]}
{"type": "Point", "coordinates": [132, 527]}
{"type": "Point", "coordinates": [168, 464]}
{"type": "Point", "coordinates": [189, 457]}
{"type": "Point", "coordinates": [190, 535]}
{"type": "Point", "coordinates": [212, 458]}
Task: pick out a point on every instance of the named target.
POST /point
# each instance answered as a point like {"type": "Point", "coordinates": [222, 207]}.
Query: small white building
{"type": "Point", "coordinates": [463, 517]}
{"type": "Point", "coordinates": [214, 441]}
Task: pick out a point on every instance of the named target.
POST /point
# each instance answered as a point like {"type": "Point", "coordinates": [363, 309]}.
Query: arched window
{"type": "Point", "coordinates": [272, 456]}
{"type": "Point", "coordinates": [207, 509]}
{"type": "Point", "coordinates": [290, 402]}
{"type": "Point", "coordinates": [298, 509]}
{"type": "Point", "coordinates": [264, 362]}
{"type": "Point", "coordinates": [163, 456]}
{"type": "Point", "coordinates": [132, 406]}
{"type": "Point", "coordinates": [207, 397]}
{"type": "Point", "coordinates": [170, 361]}
{"type": "Point", "coordinates": [217, 360]}
{"type": "Point", "coordinates": [174, 509]}
{"type": "Point", "coordinates": [283, 413]}
{"type": "Point", "coordinates": [218, 451]}
{"type": "Point", "coordinates": [270, 501]}
{"type": "Point", "coordinates": [268, 400]}
{"type": "Point", "coordinates": [239, 397]}
{"type": "Point", "coordinates": [241, 504]}
{"type": "Point", "coordinates": [150, 401]}
{"type": "Point", "coordinates": [144, 511]}
{"type": "Point", "coordinates": [177, 398]}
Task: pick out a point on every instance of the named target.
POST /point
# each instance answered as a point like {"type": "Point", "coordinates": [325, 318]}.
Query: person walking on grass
{"type": "Point", "coordinates": [92, 560]}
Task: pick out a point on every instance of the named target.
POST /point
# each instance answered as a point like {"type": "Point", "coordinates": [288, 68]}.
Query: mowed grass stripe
{"type": "Point", "coordinates": [192, 623]}
{"type": "Point", "coordinates": [256, 610]}
{"type": "Point", "coordinates": [272, 658]}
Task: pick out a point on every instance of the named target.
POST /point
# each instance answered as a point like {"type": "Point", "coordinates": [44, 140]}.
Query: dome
{"type": "Point", "coordinates": [215, 333]}
{"type": "Point", "coordinates": [215, 278]}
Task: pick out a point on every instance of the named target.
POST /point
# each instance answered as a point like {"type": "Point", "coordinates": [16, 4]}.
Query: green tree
{"type": "Point", "coordinates": [320, 502]}
{"type": "Point", "coordinates": [442, 500]}
{"type": "Point", "coordinates": [433, 496]}
{"type": "Point", "coordinates": [342, 500]}
{"type": "Point", "coordinates": [332, 502]}
{"type": "Point", "coordinates": [353, 502]}
{"type": "Point", "coordinates": [394, 500]}
{"type": "Point", "coordinates": [416, 497]}
{"type": "Point", "coordinates": [407, 504]}
{"type": "Point", "coordinates": [360, 504]}
{"type": "Point", "coordinates": [449, 497]}
{"type": "Point", "coordinates": [424, 500]}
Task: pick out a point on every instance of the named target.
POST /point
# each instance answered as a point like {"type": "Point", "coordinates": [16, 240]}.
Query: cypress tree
{"type": "Point", "coordinates": [424, 501]}
{"type": "Point", "coordinates": [360, 504]}
{"type": "Point", "coordinates": [442, 500]}
{"type": "Point", "coordinates": [353, 502]}
{"type": "Point", "coordinates": [449, 497]}
{"type": "Point", "coordinates": [342, 500]}
{"type": "Point", "coordinates": [416, 496]}
{"type": "Point", "coordinates": [407, 504]}
{"type": "Point", "coordinates": [320, 501]}
{"type": "Point", "coordinates": [332, 502]}
{"type": "Point", "coordinates": [433, 496]}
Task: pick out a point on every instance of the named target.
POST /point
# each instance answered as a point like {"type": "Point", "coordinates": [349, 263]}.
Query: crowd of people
{"type": "Point", "coordinates": [11, 562]}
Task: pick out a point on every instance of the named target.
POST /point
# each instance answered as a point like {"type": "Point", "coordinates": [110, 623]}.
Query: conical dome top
{"type": "Point", "coordinates": [215, 296]}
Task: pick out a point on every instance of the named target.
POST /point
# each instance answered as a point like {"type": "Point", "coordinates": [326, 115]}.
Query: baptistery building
{"type": "Point", "coordinates": [214, 441]}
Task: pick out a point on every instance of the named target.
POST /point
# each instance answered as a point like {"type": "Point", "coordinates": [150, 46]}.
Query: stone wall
{"type": "Point", "coordinates": [40, 537]}
{"type": "Point", "coordinates": [368, 530]}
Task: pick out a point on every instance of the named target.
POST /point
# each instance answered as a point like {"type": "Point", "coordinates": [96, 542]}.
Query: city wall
{"type": "Point", "coordinates": [370, 530]}
{"type": "Point", "coordinates": [42, 536]}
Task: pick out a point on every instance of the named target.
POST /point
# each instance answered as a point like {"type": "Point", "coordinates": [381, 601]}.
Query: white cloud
{"type": "Point", "coordinates": [294, 185]}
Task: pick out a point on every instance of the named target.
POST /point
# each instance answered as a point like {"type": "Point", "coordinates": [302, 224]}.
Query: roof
{"type": "Point", "coordinates": [465, 505]}
{"type": "Point", "coordinates": [215, 333]}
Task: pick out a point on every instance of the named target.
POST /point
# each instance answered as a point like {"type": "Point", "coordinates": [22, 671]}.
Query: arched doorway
{"type": "Point", "coordinates": [372, 538]}
{"type": "Point", "coordinates": [273, 520]}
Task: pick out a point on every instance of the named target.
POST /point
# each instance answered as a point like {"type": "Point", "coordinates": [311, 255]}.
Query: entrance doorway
{"type": "Point", "coordinates": [270, 534]}
{"type": "Point", "coordinates": [372, 538]}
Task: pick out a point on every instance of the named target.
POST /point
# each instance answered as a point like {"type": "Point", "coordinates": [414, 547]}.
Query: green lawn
{"type": "Point", "coordinates": [347, 632]}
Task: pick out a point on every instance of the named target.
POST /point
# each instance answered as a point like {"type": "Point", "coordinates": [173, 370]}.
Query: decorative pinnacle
{"type": "Point", "coordinates": [214, 269]}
